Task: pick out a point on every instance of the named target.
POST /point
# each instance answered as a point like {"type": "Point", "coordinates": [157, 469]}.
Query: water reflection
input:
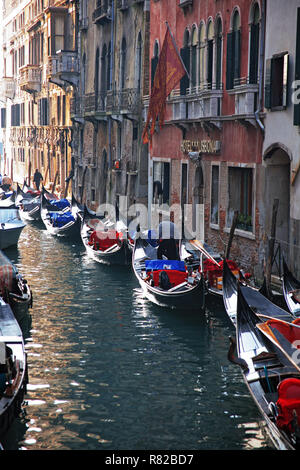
{"type": "Point", "coordinates": [110, 370]}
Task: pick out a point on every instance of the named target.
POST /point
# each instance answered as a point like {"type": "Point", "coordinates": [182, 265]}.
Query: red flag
{"type": "Point", "coordinates": [169, 71]}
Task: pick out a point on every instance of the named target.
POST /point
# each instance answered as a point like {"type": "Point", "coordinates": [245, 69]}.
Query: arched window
{"type": "Point", "coordinates": [254, 44]}
{"type": "Point", "coordinates": [154, 61]}
{"type": "Point", "coordinates": [108, 71]}
{"type": "Point", "coordinates": [139, 62]}
{"type": "Point", "coordinates": [123, 64]}
{"type": "Point", "coordinates": [202, 67]}
{"type": "Point", "coordinates": [218, 28]}
{"type": "Point", "coordinates": [194, 58]}
{"type": "Point", "coordinates": [96, 84]}
{"type": "Point", "coordinates": [210, 54]}
{"type": "Point", "coordinates": [233, 52]}
{"type": "Point", "coordinates": [185, 55]}
{"type": "Point", "coordinates": [104, 69]}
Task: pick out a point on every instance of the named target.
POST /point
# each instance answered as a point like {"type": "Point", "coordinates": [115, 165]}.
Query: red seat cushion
{"type": "Point", "coordinates": [176, 277]}
{"type": "Point", "coordinates": [104, 240]}
{"type": "Point", "coordinates": [288, 401]}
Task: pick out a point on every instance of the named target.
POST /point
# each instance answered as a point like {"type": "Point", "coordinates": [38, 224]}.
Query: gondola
{"type": "Point", "coordinates": [58, 217]}
{"type": "Point", "coordinates": [29, 204]}
{"type": "Point", "coordinates": [257, 301]}
{"type": "Point", "coordinates": [8, 202]}
{"type": "Point", "coordinates": [15, 291]}
{"type": "Point", "coordinates": [291, 290]}
{"type": "Point", "coordinates": [13, 368]}
{"type": "Point", "coordinates": [270, 375]}
{"type": "Point", "coordinates": [11, 227]}
{"type": "Point", "coordinates": [104, 240]}
{"type": "Point", "coordinates": [183, 290]}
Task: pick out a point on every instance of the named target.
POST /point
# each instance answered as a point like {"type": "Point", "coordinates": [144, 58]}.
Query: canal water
{"type": "Point", "coordinates": [108, 370]}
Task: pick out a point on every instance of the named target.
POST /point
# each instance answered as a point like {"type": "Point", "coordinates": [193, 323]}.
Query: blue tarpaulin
{"type": "Point", "coordinates": [156, 264]}
{"type": "Point", "coordinates": [60, 204]}
{"type": "Point", "coordinates": [59, 220]}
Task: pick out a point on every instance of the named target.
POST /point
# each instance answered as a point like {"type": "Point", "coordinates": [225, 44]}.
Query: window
{"type": "Point", "coordinates": [214, 205]}
{"type": "Point", "coordinates": [254, 45]}
{"type": "Point", "coordinates": [139, 62]}
{"type": "Point", "coordinates": [233, 53]}
{"type": "Point", "coordinates": [210, 53]}
{"type": "Point", "coordinates": [276, 81]}
{"type": "Point", "coordinates": [218, 53]}
{"type": "Point", "coordinates": [202, 55]}
{"type": "Point", "coordinates": [240, 184]}
{"type": "Point", "coordinates": [194, 58]}
{"type": "Point", "coordinates": [15, 115]}
{"type": "Point", "coordinates": [123, 64]}
{"type": "Point", "coordinates": [185, 55]}
{"type": "Point", "coordinates": [43, 112]}
{"type": "Point", "coordinates": [161, 182]}
{"type": "Point", "coordinates": [3, 118]}
{"type": "Point", "coordinates": [154, 62]}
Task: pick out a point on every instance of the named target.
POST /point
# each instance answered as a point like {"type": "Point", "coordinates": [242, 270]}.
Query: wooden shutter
{"type": "Point", "coordinates": [210, 46]}
{"type": "Point", "coordinates": [297, 69]}
{"type": "Point", "coordinates": [285, 79]}
{"type": "Point", "coordinates": [154, 62]}
{"type": "Point", "coordinates": [184, 82]}
{"type": "Point", "coordinates": [229, 61]}
{"type": "Point", "coordinates": [237, 55]}
{"type": "Point", "coordinates": [254, 45]}
{"type": "Point", "coordinates": [268, 84]}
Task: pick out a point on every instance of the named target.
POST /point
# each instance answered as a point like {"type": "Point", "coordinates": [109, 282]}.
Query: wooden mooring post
{"type": "Point", "coordinates": [233, 226]}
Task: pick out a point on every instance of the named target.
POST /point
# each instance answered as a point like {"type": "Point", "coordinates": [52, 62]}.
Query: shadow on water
{"type": "Point", "coordinates": [110, 370]}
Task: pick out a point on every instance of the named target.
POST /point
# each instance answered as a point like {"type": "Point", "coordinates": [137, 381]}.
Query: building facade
{"type": "Point", "coordinates": [107, 107]}
{"type": "Point", "coordinates": [40, 70]}
{"type": "Point", "coordinates": [209, 150]}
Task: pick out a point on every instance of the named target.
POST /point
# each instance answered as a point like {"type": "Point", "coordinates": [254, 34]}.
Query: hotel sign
{"type": "Point", "coordinates": [201, 146]}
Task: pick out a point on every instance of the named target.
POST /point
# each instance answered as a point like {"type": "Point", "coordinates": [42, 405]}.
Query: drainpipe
{"type": "Point", "coordinates": [261, 66]}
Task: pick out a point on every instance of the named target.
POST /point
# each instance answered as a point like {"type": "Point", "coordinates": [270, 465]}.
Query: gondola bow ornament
{"type": "Point", "coordinates": [170, 69]}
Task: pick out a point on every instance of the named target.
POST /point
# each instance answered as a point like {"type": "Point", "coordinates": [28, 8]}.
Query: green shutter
{"type": "Point", "coordinates": [268, 84]}
{"type": "Point", "coordinates": [184, 82]}
{"type": "Point", "coordinates": [254, 46]}
{"type": "Point", "coordinates": [229, 61]}
{"type": "Point", "coordinates": [237, 54]}
{"type": "Point", "coordinates": [297, 69]}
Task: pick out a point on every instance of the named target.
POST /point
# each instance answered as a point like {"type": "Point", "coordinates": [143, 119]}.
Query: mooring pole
{"type": "Point", "coordinates": [271, 246]}
{"type": "Point", "coordinates": [233, 226]}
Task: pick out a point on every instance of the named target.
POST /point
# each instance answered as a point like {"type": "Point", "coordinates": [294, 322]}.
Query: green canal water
{"type": "Point", "coordinates": [108, 370]}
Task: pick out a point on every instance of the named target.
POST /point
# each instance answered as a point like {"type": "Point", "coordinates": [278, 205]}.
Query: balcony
{"type": "Point", "coordinates": [63, 68]}
{"type": "Point", "coordinates": [102, 14]}
{"type": "Point", "coordinates": [8, 87]}
{"type": "Point", "coordinates": [203, 102]}
{"type": "Point", "coordinates": [30, 78]}
{"type": "Point", "coordinates": [94, 105]}
{"type": "Point", "coordinates": [245, 94]}
{"type": "Point", "coordinates": [124, 102]}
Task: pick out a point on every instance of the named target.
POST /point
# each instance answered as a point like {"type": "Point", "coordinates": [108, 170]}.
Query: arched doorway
{"type": "Point", "coordinates": [277, 186]}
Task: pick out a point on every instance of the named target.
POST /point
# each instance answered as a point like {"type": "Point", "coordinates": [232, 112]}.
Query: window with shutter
{"type": "Point", "coordinates": [229, 61]}
{"type": "Point", "coordinates": [297, 69]}
{"type": "Point", "coordinates": [254, 49]}
{"type": "Point", "coordinates": [276, 90]}
{"type": "Point", "coordinates": [184, 82]}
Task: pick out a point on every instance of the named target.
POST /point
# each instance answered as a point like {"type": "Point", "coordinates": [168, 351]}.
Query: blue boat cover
{"type": "Point", "coordinates": [155, 264]}
{"type": "Point", "coordinates": [59, 220]}
{"type": "Point", "coordinates": [60, 204]}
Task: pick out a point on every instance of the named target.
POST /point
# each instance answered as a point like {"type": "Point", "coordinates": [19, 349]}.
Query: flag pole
{"type": "Point", "coordinates": [175, 45]}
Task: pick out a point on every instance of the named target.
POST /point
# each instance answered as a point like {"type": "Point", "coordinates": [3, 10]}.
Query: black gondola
{"type": "Point", "coordinates": [29, 204]}
{"type": "Point", "coordinates": [104, 240]}
{"type": "Point", "coordinates": [186, 291]}
{"type": "Point", "coordinates": [291, 290]}
{"type": "Point", "coordinates": [59, 220]}
{"type": "Point", "coordinates": [271, 377]}
{"type": "Point", "coordinates": [256, 300]}
{"type": "Point", "coordinates": [13, 368]}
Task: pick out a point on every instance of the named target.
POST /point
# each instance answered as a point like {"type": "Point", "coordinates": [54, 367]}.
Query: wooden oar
{"type": "Point", "coordinates": [197, 244]}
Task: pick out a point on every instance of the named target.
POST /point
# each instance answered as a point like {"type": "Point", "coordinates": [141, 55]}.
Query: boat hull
{"type": "Point", "coordinates": [10, 234]}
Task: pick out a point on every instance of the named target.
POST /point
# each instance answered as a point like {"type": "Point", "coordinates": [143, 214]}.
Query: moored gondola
{"type": "Point", "coordinates": [105, 241]}
{"type": "Point", "coordinates": [291, 290]}
{"type": "Point", "coordinates": [29, 204]}
{"type": "Point", "coordinates": [271, 377]}
{"type": "Point", "coordinates": [13, 368]}
{"type": "Point", "coordinates": [256, 300]}
{"type": "Point", "coordinates": [166, 282]}
{"type": "Point", "coordinates": [58, 217]}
